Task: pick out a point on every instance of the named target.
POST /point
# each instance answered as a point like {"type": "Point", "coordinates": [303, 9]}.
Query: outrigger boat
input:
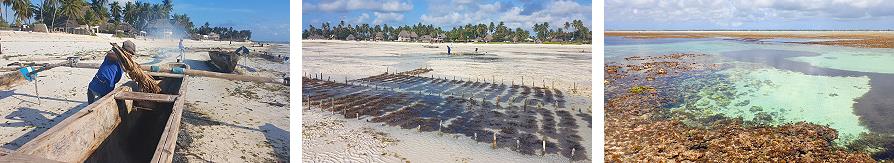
{"type": "Point", "coordinates": [224, 61]}
{"type": "Point", "coordinates": [123, 126]}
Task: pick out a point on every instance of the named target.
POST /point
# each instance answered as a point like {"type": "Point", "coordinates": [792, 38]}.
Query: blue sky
{"type": "Point", "coordinates": [268, 20]}
{"type": "Point", "coordinates": [749, 14]}
{"type": "Point", "coordinates": [446, 13]}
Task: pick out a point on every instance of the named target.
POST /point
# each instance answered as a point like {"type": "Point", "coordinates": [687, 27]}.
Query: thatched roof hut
{"type": "Point", "coordinates": [425, 38]}
{"type": "Point", "coordinates": [488, 38]}
{"type": "Point", "coordinates": [439, 38]}
{"type": "Point", "coordinates": [71, 24]}
{"type": "Point", "coordinates": [557, 40]}
{"type": "Point", "coordinates": [315, 37]}
{"type": "Point", "coordinates": [351, 37]}
{"type": "Point", "coordinates": [406, 36]}
{"type": "Point", "coordinates": [379, 36]}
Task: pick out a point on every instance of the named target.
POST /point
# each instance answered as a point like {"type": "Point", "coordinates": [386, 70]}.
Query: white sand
{"type": "Point", "coordinates": [331, 138]}
{"type": "Point", "coordinates": [562, 66]}
{"type": "Point", "coordinates": [231, 126]}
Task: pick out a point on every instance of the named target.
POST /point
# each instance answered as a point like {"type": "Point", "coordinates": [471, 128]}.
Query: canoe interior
{"type": "Point", "coordinates": [224, 61]}
{"type": "Point", "coordinates": [123, 126]}
{"type": "Point", "coordinates": [139, 132]}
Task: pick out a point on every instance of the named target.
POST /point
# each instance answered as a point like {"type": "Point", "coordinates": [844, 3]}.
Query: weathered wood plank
{"type": "Point", "coordinates": [146, 97]}
{"type": "Point", "coordinates": [164, 151]}
{"type": "Point", "coordinates": [169, 75]}
{"type": "Point", "coordinates": [75, 138]}
{"type": "Point", "coordinates": [23, 158]}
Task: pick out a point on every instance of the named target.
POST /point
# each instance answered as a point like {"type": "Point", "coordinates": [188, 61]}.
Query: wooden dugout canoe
{"type": "Point", "coordinates": [224, 61]}
{"type": "Point", "coordinates": [123, 126]}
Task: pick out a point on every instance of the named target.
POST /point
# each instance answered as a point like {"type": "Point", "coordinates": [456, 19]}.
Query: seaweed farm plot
{"type": "Point", "coordinates": [528, 120]}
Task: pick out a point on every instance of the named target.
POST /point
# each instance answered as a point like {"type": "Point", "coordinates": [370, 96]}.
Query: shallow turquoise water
{"type": "Point", "coordinates": [760, 92]}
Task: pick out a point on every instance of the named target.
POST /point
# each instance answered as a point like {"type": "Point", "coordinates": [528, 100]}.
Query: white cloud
{"type": "Point", "coordinates": [462, 1]}
{"type": "Point", "coordinates": [387, 17]}
{"type": "Point", "coordinates": [349, 5]}
{"type": "Point", "coordinates": [362, 18]}
{"type": "Point", "coordinates": [554, 12]}
{"type": "Point", "coordinates": [738, 12]}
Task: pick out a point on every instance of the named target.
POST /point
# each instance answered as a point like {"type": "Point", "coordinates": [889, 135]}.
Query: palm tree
{"type": "Point", "coordinates": [100, 12]}
{"type": "Point", "coordinates": [166, 7]}
{"type": "Point", "coordinates": [22, 9]}
{"type": "Point", "coordinates": [73, 9]}
{"type": "Point", "coordinates": [6, 3]}
{"type": "Point", "coordinates": [54, 4]}
{"type": "Point", "coordinates": [116, 12]}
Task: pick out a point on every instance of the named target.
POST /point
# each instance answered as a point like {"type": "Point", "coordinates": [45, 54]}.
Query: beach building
{"type": "Point", "coordinates": [488, 38]}
{"type": "Point", "coordinates": [425, 38]}
{"type": "Point", "coordinates": [213, 36]}
{"type": "Point", "coordinates": [557, 40]}
{"type": "Point", "coordinates": [161, 28]}
{"type": "Point", "coordinates": [314, 37]}
{"type": "Point", "coordinates": [351, 37]}
{"type": "Point", "coordinates": [406, 36]}
{"type": "Point", "coordinates": [380, 36]}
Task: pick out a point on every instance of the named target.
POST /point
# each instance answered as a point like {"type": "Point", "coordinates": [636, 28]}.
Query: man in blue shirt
{"type": "Point", "coordinates": [108, 75]}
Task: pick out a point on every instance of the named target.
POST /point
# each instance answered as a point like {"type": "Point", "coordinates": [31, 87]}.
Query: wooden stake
{"type": "Point", "coordinates": [494, 144]}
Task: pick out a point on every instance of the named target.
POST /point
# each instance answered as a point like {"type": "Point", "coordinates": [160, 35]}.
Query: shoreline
{"type": "Point", "coordinates": [860, 39]}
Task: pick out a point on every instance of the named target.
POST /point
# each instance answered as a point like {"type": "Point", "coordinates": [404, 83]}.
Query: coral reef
{"type": "Point", "coordinates": [639, 128]}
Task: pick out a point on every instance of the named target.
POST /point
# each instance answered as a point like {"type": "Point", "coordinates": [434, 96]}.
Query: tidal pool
{"type": "Point", "coordinates": [769, 82]}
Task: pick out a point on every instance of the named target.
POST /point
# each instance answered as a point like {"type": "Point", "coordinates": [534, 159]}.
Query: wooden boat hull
{"type": "Point", "coordinates": [224, 61]}
{"type": "Point", "coordinates": [122, 126]}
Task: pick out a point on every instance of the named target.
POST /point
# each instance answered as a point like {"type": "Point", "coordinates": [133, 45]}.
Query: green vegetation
{"type": "Point", "coordinates": [574, 32]}
{"type": "Point", "coordinates": [130, 17]}
{"type": "Point", "coordinates": [641, 89]}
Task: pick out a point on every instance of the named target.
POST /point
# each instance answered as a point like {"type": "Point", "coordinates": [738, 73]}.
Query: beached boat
{"type": "Point", "coordinates": [124, 126]}
{"type": "Point", "coordinates": [224, 61]}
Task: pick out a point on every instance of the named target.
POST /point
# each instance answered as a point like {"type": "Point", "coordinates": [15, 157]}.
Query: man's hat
{"type": "Point", "coordinates": [130, 47]}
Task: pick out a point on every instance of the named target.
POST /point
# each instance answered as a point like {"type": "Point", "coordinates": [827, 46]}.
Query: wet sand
{"type": "Point", "coordinates": [418, 96]}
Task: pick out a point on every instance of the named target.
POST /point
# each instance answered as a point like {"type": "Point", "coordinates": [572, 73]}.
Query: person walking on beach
{"type": "Point", "coordinates": [448, 50]}
{"type": "Point", "coordinates": [108, 75]}
{"type": "Point", "coordinates": [182, 48]}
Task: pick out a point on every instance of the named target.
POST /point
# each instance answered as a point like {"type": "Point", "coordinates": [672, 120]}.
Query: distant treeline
{"type": "Point", "coordinates": [129, 17]}
{"type": "Point", "coordinates": [832, 30]}
{"type": "Point", "coordinates": [569, 32]}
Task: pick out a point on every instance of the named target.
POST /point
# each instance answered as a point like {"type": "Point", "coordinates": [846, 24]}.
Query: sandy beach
{"type": "Point", "coordinates": [431, 107]}
{"type": "Point", "coordinates": [561, 66]}
{"type": "Point", "coordinates": [223, 120]}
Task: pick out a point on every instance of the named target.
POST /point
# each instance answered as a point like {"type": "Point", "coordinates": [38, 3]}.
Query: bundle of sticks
{"type": "Point", "coordinates": [146, 82]}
